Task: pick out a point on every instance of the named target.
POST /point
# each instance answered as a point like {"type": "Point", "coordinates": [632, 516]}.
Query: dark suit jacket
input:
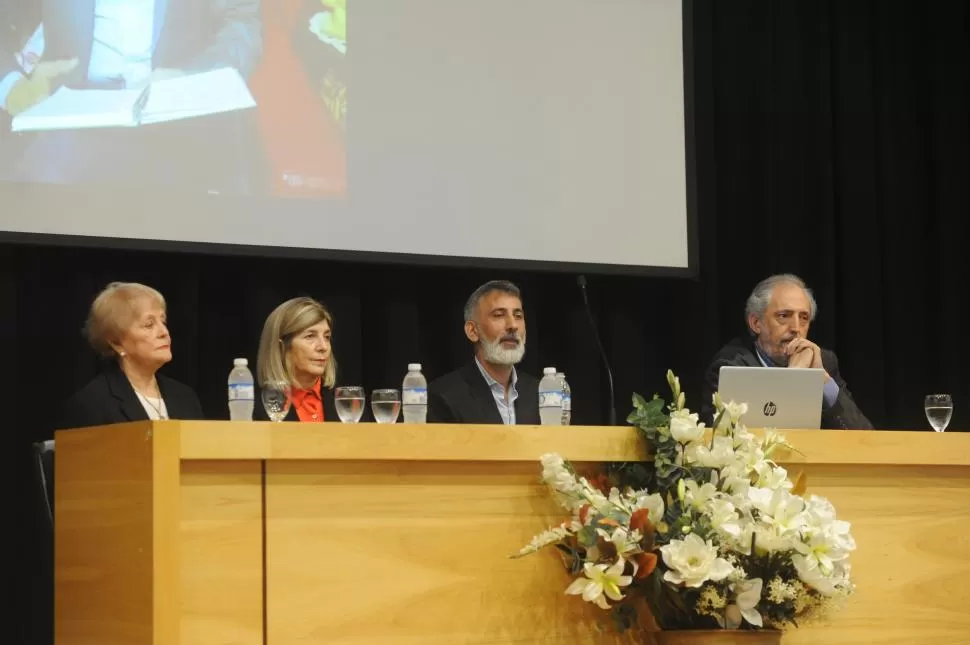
{"type": "Point", "coordinates": [329, 408]}
{"type": "Point", "coordinates": [844, 415]}
{"type": "Point", "coordinates": [463, 396]}
{"type": "Point", "coordinates": [193, 35]}
{"type": "Point", "coordinates": [109, 398]}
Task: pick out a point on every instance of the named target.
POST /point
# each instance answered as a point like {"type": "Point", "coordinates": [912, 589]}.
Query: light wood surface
{"type": "Point", "coordinates": [222, 552]}
{"type": "Point", "coordinates": [912, 563]}
{"type": "Point", "coordinates": [110, 566]}
{"type": "Point", "coordinates": [400, 534]}
{"type": "Point", "coordinates": [413, 554]}
{"type": "Point", "coordinates": [400, 442]}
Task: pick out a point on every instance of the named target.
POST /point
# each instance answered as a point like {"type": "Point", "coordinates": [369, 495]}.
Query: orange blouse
{"type": "Point", "coordinates": [308, 403]}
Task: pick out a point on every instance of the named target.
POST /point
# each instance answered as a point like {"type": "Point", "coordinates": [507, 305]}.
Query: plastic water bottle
{"type": "Point", "coordinates": [550, 398]}
{"type": "Point", "coordinates": [241, 391]}
{"type": "Point", "coordinates": [414, 395]}
{"type": "Point", "coordinates": [567, 399]}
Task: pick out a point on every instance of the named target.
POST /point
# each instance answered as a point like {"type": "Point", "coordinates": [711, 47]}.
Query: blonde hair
{"type": "Point", "coordinates": [288, 320]}
{"type": "Point", "coordinates": [113, 311]}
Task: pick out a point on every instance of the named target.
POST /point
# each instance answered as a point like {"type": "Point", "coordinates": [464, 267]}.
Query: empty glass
{"type": "Point", "coordinates": [276, 399]}
{"type": "Point", "coordinates": [939, 409]}
{"type": "Point", "coordinates": [349, 402]}
{"type": "Point", "coordinates": [386, 405]}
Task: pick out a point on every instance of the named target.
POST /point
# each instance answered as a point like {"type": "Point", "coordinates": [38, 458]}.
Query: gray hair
{"type": "Point", "coordinates": [471, 305]}
{"type": "Point", "coordinates": [760, 296]}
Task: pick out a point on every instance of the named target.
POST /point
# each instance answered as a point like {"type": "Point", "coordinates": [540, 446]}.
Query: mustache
{"type": "Point", "coordinates": [510, 337]}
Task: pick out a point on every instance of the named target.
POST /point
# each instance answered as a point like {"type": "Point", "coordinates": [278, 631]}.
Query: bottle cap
{"type": "Point", "coordinates": [240, 362]}
{"type": "Point", "coordinates": [414, 367]}
{"type": "Point", "coordinates": [549, 370]}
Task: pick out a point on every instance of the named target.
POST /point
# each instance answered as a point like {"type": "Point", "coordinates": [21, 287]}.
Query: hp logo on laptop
{"type": "Point", "coordinates": [770, 409]}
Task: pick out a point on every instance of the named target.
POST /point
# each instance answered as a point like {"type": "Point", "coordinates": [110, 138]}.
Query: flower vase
{"type": "Point", "coordinates": [718, 637]}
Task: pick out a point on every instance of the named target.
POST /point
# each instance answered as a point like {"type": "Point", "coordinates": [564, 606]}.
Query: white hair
{"type": "Point", "coordinates": [760, 296]}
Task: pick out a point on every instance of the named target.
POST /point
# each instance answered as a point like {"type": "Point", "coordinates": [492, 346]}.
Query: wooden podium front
{"type": "Point", "coordinates": [212, 533]}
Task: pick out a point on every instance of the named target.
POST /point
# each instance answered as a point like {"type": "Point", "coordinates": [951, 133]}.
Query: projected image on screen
{"type": "Point", "coordinates": [221, 96]}
{"type": "Point", "coordinates": [476, 131]}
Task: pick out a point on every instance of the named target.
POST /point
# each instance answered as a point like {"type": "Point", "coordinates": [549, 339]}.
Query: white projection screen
{"type": "Point", "coordinates": [523, 133]}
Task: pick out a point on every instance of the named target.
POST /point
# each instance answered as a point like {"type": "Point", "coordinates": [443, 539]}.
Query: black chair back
{"type": "Point", "coordinates": [44, 477]}
{"type": "Point", "coordinates": [42, 619]}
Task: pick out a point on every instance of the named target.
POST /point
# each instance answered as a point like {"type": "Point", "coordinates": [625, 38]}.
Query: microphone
{"type": "Point", "coordinates": [581, 281]}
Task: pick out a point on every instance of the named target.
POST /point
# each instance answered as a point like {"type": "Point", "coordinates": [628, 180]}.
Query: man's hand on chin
{"type": "Point", "coordinates": [804, 353]}
{"type": "Point", "coordinates": [166, 73]}
{"type": "Point", "coordinates": [800, 358]}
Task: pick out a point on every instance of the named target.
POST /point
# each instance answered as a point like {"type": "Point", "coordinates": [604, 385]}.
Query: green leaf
{"type": "Point", "coordinates": [624, 617]}
{"type": "Point", "coordinates": [587, 536]}
{"type": "Point", "coordinates": [639, 402]}
{"type": "Point", "coordinates": [570, 559]}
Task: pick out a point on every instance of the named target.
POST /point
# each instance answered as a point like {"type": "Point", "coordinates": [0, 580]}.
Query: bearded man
{"type": "Point", "coordinates": [778, 313]}
{"type": "Point", "coordinates": [489, 389]}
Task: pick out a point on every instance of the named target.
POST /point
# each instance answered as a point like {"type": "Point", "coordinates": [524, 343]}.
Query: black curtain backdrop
{"type": "Point", "coordinates": [832, 141]}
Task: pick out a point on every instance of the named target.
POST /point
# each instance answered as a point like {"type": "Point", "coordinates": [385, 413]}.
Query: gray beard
{"type": "Point", "coordinates": [494, 353]}
{"type": "Point", "coordinates": [779, 361]}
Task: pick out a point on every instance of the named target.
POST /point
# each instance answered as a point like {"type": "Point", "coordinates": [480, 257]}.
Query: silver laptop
{"type": "Point", "coordinates": [786, 398]}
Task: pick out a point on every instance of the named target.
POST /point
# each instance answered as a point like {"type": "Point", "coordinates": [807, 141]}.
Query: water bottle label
{"type": "Point", "coordinates": [567, 403]}
{"type": "Point", "coordinates": [551, 399]}
{"type": "Point", "coordinates": [242, 392]}
{"type": "Point", "coordinates": [415, 396]}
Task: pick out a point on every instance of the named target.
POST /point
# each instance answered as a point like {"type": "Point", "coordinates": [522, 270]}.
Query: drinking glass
{"type": "Point", "coordinates": [350, 403]}
{"type": "Point", "coordinates": [276, 399]}
{"type": "Point", "coordinates": [939, 409]}
{"type": "Point", "coordinates": [386, 405]}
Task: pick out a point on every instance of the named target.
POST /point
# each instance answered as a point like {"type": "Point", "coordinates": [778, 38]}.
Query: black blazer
{"type": "Point", "coordinates": [329, 408]}
{"type": "Point", "coordinates": [463, 396]}
{"type": "Point", "coordinates": [109, 398]}
{"type": "Point", "coordinates": [844, 415]}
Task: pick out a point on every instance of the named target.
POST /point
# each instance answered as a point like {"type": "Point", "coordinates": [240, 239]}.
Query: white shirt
{"type": "Point", "coordinates": [122, 48]}
{"type": "Point", "coordinates": [155, 407]}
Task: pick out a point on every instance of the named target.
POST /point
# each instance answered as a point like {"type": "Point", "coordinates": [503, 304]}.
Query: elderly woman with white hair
{"type": "Point", "coordinates": [127, 325]}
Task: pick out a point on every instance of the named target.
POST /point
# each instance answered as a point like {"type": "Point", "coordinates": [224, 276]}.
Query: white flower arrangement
{"type": "Point", "coordinates": [712, 533]}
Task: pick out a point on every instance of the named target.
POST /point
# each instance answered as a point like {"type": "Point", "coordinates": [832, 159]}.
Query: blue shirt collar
{"type": "Point", "coordinates": [491, 381]}
{"type": "Point", "coordinates": [762, 356]}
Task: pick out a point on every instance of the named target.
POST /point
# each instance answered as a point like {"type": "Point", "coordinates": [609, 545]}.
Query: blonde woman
{"type": "Point", "coordinates": [295, 348]}
{"type": "Point", "coordinates": [127, 325]}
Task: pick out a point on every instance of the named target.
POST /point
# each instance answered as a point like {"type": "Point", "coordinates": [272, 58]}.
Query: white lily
{"type": "Point", "coordinates": [717, 455]}
{"type": "Point", "coordinates": [685, 427]}
{"type": "Point", "coordinates": [625, 543]}
{"type": "Point", "coordinates": [698, 495]}
{"type": "Point", "coordinates": [779, 508]}
{"type": "Point", "coordinates": [825, 540]}
{"type": "Point", "coordinates": [748, 594]}
{"type": "Point", "coordinates": [653, 502]}
{"type": "Point", "coordinates": [724, 517]}
{"type": "Point", "coordinates": [772, 476]}
{"type": "Point", "coordinates": [826, 583]}
{"type": "Point", "coordinates": [601, 581]}
{"type": "Point", "coordinates": [732, 414]}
